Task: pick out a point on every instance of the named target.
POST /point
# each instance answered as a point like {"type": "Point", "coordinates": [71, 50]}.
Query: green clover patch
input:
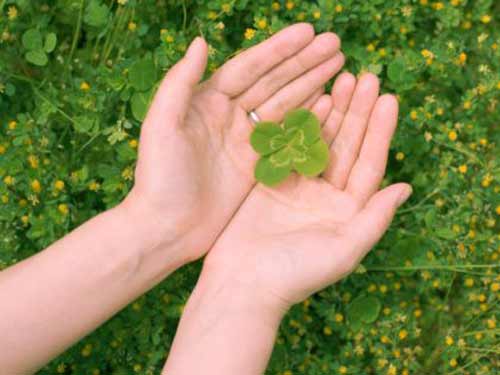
{"type": "Point", "coordinates": [294, 146]}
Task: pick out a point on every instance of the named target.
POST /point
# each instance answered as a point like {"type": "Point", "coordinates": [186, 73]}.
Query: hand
{"type": "Point", "coordinates": [195, 162]}
{"type": "Point", "coordinates": [288, 242]}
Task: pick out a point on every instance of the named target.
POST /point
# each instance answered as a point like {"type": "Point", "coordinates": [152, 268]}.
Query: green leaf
{"type": "Point", "coordinates": [267, 137]}
{"type": "Point", "coordinates": [96, 14]}
{"type": "Point", "coordinates": [139, 104]}
{"type": "Point", "coordinates": [269, 174]}
{"type": "Point", "coordinates": [306, 121]}
{"type": "Point", "coordinates": [445, 233]}
{"type": "Point", "coordinates": [32, 39]}
{"type": "Point", "coordinates": [363, 309]}
{"type": "Point", "coordinates": [282, 158]}
{"type": "Point", "coordinates": [84, 124]}
{"type": "Point", "coordinates": [50, 42]}
{"type": "Point", "coordinates": [316, 160]}
{"type": "Point", "coordinates": [142, 75]}
{"type": "Point", "coordinates": [37, 57]}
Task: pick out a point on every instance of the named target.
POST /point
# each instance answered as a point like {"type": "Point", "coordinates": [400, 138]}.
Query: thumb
{"type": "Point", "coordinates": [368, 226]}
{"type": "Point", "coordinates": [172, 99]}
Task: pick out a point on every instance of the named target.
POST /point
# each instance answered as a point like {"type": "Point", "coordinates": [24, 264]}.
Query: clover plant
{"type": "Point", "coordinates": [296, 145]}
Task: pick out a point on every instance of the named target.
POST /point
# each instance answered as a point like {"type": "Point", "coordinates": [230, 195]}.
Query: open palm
{"type": "Point", "coordinates": [290, 241]}
{"type": "Point", "coordinates": [194, 156]}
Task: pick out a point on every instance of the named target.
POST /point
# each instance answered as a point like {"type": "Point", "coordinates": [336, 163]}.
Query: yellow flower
{"type": "Point", "coordinates": [262, 23]}
{"type": "Point", "coordinates": [212, 15]}
{"type": "Point", "coordinates": [94, 186]}
{"type": "Point", "coordinates": [133, 143]}
{"type": "Point", "coordinates": [84, 86]}
{"type": "Point", "coordinates": [455, 2]}
{"type": "Point", "coordinates": [2, 149]}
{"type": "Point", "coordinates": [327, 331]}
{"type": "Point", "coordinates": [462, 169]}
{"type": "Point", "coordinates": [449, 340]}
{"type": "Point", "coordinates": [87, 350]}
{"type": "Point", "coordinates": [392, 370]}
{"type": "Point", "coordinates": [452, 136]}
{"type": "Point", "coordinates": [276, 6]}
{"type": "Point", "coordinates": [63, 208]}
{"type": "Point", "coordinates": [36, 186]}
{"type": "Point", "coordinates": [290, 5]}
{"type": "Point", "coordinates": [400, 156]}
{"type": "Point", "coordinates": [12, 125]}
{"type": "Point", "coordinates": [424, 2]}
{"type": "Point", "coordinates": [370, 47]}
{"type": "Point", "coordinates": [467, 104]}
{"type": "Point", "coordinates": [486, 18]}
{"type": "Point", "coordinates": [339, 318]}
{"type": "Point", "coordinates": [5, 198]}
{"type": "Point", "coordinates": [339, 8]}
{"type": "Point", "coordinates": [317, 15]}
{"type": "Point", "coordinates": [453, 362]}
{"type": "Point", "coordinates": [8, 180]}
{"type": "Point", "coordinates": [226, 8]}
{"type": "Point", "coordinates": [12, 13]}
{"type": "Point", "coordinates": [342, 370]}
{"type": "Point", "coordinates": [249, 33]}
{"type": "Point", "coordinates": [417, 313]}
{"type": "Point", "coordinates": [469, 282]}
{"type": "Point", "coordinates": [495, 287]}
{"type": "Point", "coordinates": [33, 160]}
{"type": "Point", "coordinates": [462, 58]}
{"type": "Point", "coordinates": [403, 334]}
{"type": "Point", "coordinates": [438, 5]}
{"type": "Point", "coordinates": [59, 185]}
{"type": "Point", "coordinates": [132, 26]}
{"type": "Point", "coordinates": [25, 219]}
{"type": "Point", "coordinates": [385, 340]}
{"type": "Point", "coordinates": [497, 210]}
{"type": "Point", "coordinates": [137, 367]}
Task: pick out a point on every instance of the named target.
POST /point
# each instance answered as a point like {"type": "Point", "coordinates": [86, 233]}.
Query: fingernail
{"type": "Point", "coordinates": [404, 194]}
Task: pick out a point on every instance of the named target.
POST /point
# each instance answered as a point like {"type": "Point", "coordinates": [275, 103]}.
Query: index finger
{"type": "Point", "coordinates": [246, 68]}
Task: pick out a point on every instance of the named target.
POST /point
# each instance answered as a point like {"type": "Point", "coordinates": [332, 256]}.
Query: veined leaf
{"type": "Point", "coordinates": [316, 160]}
{"type": "Point", "coordinates": [306, 121]}
{"type": "Point", "coordinates": [266, 138]}
{"type": "Point", "coordinates": [269, 174]}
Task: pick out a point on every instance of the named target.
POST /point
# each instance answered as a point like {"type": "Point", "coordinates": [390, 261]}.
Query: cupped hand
{"type": "Point", "coordinates": [195, 162]}
{"type": "Point", "coordinates": [287, 242]}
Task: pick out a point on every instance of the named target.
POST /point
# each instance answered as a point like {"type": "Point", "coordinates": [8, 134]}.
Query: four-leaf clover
{"type": "Point", "coordinates": [294, 146]}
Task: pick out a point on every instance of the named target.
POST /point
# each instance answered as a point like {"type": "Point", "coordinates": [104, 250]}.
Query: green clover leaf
{"type": "Point", "coordinates": [295, 146]}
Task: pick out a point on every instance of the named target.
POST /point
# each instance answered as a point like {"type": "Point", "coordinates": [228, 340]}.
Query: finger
{"type": "Point", "coordinates": [345, 147]}
{"type": "Point", "coordinates": [369, 169]}
{"type": "Point", "coordinates": [309, 102]}
{"type": "Point", "coordinates": [342, 91]}
{"type": "Point", "coordinates": [174, 94]}
{"type": "Point", "coordinates": [322, 48]}
{"type": "Point", "coordinates": [367, 227]}
{"type": "Point", "coordinates": [322, 108]}
{"type": "Point", "coordinates": [241, 72]}
{"type": "Point", "coordinates": [300, 89]}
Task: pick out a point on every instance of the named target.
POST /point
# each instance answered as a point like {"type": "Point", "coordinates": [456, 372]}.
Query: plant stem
{"type": "Point", "coordinates": [76, 35]}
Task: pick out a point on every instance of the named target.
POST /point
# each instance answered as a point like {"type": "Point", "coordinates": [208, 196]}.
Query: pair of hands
{"type": "Point", "coordinates": [194, 178]}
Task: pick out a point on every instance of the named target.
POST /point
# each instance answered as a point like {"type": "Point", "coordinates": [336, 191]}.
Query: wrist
{"type": "Point", "coordinates": [219, 288]}
{"type": "Point", "coordinates": [159, 249]}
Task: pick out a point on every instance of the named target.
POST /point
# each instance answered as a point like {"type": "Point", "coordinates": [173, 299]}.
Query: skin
{"type": "Point", "coordinates": [193, 173]}
{"type": "Point", "coordinates": [288, 242]}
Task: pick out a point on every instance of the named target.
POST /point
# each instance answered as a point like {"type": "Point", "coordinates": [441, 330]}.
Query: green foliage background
{"type": "Point", "coordinates": [75, 80]}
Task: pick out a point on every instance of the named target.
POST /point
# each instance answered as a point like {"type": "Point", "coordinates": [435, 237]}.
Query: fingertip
{"type": "Point", "coordinates": [345, 83]}
{"type": "Point", "coordinates": [369, 80]}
